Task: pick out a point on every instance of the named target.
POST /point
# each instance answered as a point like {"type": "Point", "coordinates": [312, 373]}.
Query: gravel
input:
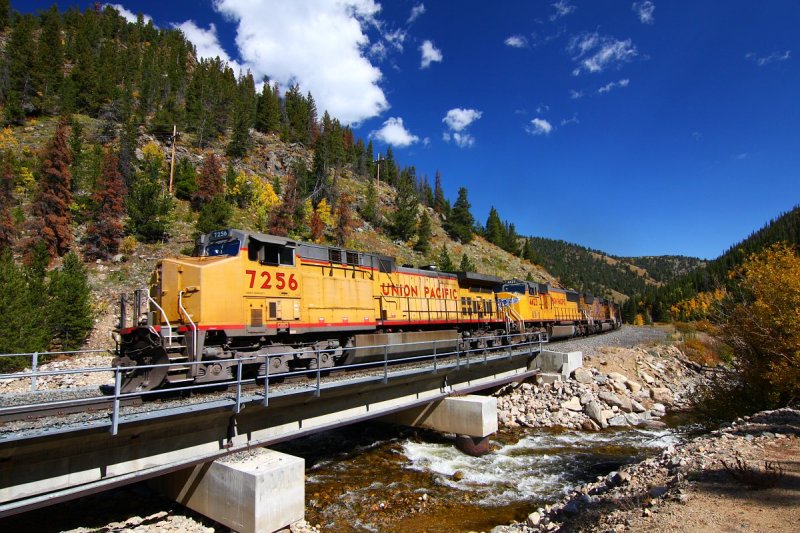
{"type": "Point", "coordinates": [625, 337]}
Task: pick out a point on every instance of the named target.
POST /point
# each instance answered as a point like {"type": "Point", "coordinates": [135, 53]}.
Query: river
{"type": "Point", "coordinates": [375, 477]}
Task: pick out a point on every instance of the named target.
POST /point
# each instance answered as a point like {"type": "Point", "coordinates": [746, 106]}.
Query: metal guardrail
{"type": "Point", "coordinates": [434, 364]}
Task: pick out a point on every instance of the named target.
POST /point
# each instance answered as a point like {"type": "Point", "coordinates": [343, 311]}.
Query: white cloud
{"type": "Point", "coordinates": [696, 135]}
{"type": "Point", "coordinates": [645, 11]}
{"type": "Point", "coordinates": [542, 108]}
{"type": "Point", "coordinates": [129, 15]}
{"type": "Point", "coordinates": [563, 8]}
{"type": "Point", "coordinates": [416, 12]}
{"type": "Point", "coordinates": [206, 42]}
{"type": "Point", "coordinates": [457, 119]}
{"type": "Point", "coordinates": [575, 95]}
{"type": "Point", "coordinates": [430, 54]}
{"type": "Point", "coordinates": [539, 126]}
{"type": "Point", "coordinates": [395, 133]}
{"type": "Point", "coordinates": [613, 85]}
{"type": "Point", "coordinates": [594, 53]}
{"type": "Point", "coordinates": [572, 120]}
{"type": "Point", "coordinates": [396, 38]}
{"type": "Point", "coordinates": [378, 51]}
{"type": "Point", "coordinates": [774, 57]}
{"type": "Point", "coordinates": [517, 41]}
{"type": "Point", "coordinates": [318, 44]}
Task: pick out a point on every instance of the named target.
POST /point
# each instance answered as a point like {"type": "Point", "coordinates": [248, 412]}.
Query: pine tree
{"type": "Point", "coordinates": [438, 194]}
{"type": "Point", "coordinates": [494, 228]}
{"type": "Point", "coordinates": [404, 218]}
{"type": "Point", "coordinates": [69, 309]}
{"type": "Point", "coordinates": [424, 234]}
{"type": "Point", "coordinates": [5, 13]}
{"type": "Point", "coordinates": [209, 183]}
{"type": "Point", "coordinates": [50, 59]}
{"type": "Point", "coordinates": [148, 203]}
{"type": "Point", "coordinates": [370, 211]}
{"type": "Point", "coordinates": [50, 219]}
{"type": "Point", "coordinates": [185, 179]}
{"type": "Point", "coordinates": [459, 224]}
{"type": "Point", "coordinates": [214, 215]}
{"type": "Point", "coordinates": [466, 264]}
{"type": "Point", "coordinates": [22, 311]}
{"type": "Point", "coordinates": [444, 263]}
{"type": "Point", "coordinates": [19, 90]}
{"type": "Point", "coordinates": [268, 114]}
{"type": "Point", "coordinates": [106, 229]}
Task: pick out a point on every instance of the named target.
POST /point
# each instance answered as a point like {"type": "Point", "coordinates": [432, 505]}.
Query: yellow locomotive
{"type": "Point", "coordinates": [293, 305]}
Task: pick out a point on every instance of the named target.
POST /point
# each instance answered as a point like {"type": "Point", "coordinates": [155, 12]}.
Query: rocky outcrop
{"type": "Point", "coordinates": [594, 399]}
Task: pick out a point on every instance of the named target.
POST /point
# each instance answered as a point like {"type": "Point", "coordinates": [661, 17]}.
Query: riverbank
{"type": "Point", "coordinates": [743, 477]}
{"type": "Point", "coordinates": [616, 387]}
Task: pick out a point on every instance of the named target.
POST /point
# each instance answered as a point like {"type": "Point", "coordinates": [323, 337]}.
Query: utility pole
{"type": "Point", "coordinates": [378, 161]}
{"type": "Point", "coordinates": [172, 161]}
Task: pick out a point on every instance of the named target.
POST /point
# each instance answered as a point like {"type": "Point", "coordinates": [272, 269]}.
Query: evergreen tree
{"type": "Point", "coordinates": [459, 224]}
{"type": "Point", "coordinates": [50, 59]}
{"type": "Point", "coordinates": [389, 172]}
{"type": "Point", "coordinates": [444, 263]}
{"type": "Point", "coordinates": [214, 215]}
{"type": "Point", "coordinates": [148, 203]}
{"type": "Point", "coordinates": [424, 234]}
{"type": "Point", "coordinates": [50, 219]}
{"type": "Point", "coordinates": [268, 114]}
{"type": "Point", "coordinates": [209, 183]}
{"type": "Point", "coordinates": [370, 211]}
{"type": "Point", "coordinates": [21, 311]}
{"type": "Point", "coordinates": [19, 88]}
{"type": "Point", "coordinates": [185, 179]}
{"type": "Point", "coordinates": [438, 194]}
{"type": "Point", "coordinates": [404, 218]}
{"type": "Point", "coordinates": [69, 309]}
{"type": "Point", "coordinates": [127, 153]}
{"type": "Point", "coordinates": [106, 230]}
{"type": "Point", "coordinates": [466, 264]}
{"type": "Point", "coordinates": [494, 228]}
{"type": "Point", "coordinates": [5, 13]}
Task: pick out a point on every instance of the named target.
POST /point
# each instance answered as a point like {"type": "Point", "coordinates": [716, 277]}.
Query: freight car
{"type": "Point", "coordinates": [294, 306]}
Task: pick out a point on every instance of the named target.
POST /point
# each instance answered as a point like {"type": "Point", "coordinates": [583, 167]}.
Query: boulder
{"type": "Point", "coordinates": [595, 412]}
{"type": "Point", "coordinates": [573, 404]}
{"type": "Point", "coordinates": [633, 419]}
{"type": "Point", "coordinates": [586, 397]}
{"type": "Point", "coordinates": [637, 407]}
{"type": "Point", "coordinates": [647, 378]}
{"type": "Point", "coordinates": [662, 395]}
{"type": "Point", "coordinates": [583, 375]}
{"type": "Point", "coordinates": [616, 376]}
{"type": "Point", "coordinates": [623, 402]}
{"type": "Point", "coordinates": [633, 386]}
{"type": "Point", "coordinates": [533, 519]}
{"type": "Point", "coordinates": [618, 421]}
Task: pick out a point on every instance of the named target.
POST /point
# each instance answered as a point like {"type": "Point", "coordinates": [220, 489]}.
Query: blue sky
{"type": "Point", "coordinates": [639, 128]}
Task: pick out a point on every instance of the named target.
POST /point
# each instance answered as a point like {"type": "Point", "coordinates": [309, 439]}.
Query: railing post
{"type": "Point", "coordinates": [385, 363]}
{"type": "Point", "coordinates": [34, 369]}
{"type": "Point", "coordinates": [115, 412]}
{"type": "Point", "coordinates": [266, 382]}
{"type": "Point", "coordinates": [239, 386]}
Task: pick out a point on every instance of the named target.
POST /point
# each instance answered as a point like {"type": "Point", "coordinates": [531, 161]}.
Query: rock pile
{"type": "Point", "coordinates": [625, 500]}
{"type": "Point", "coordinates": [73, 380]}
{"type": "Point", "coordinates": [594, 399]}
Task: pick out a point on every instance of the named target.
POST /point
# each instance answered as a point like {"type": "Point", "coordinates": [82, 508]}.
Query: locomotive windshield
{"type": "Point", "coordinates": [229, 247]}
{"type": "Point", "coordinates": [514, 287]}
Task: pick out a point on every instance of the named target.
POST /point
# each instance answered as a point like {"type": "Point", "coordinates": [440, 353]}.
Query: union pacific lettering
{"type": "Point", "coordinates": [559, 300]}
{"type": "Point", "coordinates": [410, 291]}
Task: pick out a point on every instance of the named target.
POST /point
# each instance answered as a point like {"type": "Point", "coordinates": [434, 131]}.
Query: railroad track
{"type": "Point", "coordinates": [61, 408]}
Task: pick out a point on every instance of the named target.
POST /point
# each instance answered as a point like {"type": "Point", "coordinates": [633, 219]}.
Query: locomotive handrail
{"type": "Point", "coordinates": [189, 318]}
{"type": "Point", "coordinates": [152, 301]}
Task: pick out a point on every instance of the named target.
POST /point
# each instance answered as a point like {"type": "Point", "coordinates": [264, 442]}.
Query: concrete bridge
{"type": "Point", "coordinates": [183, 450]}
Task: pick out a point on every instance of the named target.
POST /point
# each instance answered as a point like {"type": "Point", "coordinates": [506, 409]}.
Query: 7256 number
{"type": "Point", "coordinates": [266, 281]}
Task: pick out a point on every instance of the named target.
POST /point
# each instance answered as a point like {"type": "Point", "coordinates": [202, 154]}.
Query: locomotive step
{"type": "Point", "coordinates": [174, 380]}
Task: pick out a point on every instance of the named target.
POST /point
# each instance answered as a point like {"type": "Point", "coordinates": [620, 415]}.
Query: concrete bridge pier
{"type": "Point", "coordinates": [256, 491]}
{"type": "Point", "coordinates": [472, 418]}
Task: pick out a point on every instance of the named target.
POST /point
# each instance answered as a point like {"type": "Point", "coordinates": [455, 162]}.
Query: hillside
{"type": "Point", "coordinates": [599, 273]}
{"type": "Point", "coordinates": [714, 275]}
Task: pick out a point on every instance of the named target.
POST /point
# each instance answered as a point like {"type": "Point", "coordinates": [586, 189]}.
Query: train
{"type": "Point", "coordinates": [290, 306]}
